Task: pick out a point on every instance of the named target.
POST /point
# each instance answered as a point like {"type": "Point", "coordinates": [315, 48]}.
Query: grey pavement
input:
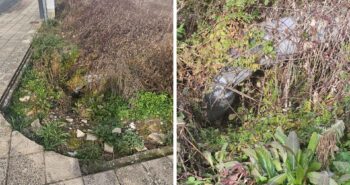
{"type": "Point", "coordinates": [18, 25]}
{"type": "Point", "coordinates": [24, 162]}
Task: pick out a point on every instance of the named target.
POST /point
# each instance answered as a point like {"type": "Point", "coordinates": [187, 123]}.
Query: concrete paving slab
{"type": "Point", "coordinates": [132, 175]}
{"type": "Point", "coordinates": [26, 170]}
{"type": "Point", "coordinates": [4, 149]}
{"type": "Point", "coordinates": [5, 136]}
{"type": "Point", "coordinates": [20, 145]}
{"type": "Point", "coordinates": [107, 177]}
{"type": "Point", "coordinates": [5, 131]}
{"type": "Point", "coordinates": [77, 181]}
{"type": "Point", "coordinates": [3, 170]}
{"type": "Point", "coordinates": [161, 170]}
{"type": "Point", "coordinates": [59, 167]}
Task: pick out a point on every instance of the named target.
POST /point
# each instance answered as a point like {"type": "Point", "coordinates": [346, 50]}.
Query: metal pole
{"type": "Point", "coordinates": [45, 9]}
{"type": "Point", "coordinates": [41, 9]}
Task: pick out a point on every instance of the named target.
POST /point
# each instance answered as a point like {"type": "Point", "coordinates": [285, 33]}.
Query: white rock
{"type": "Point", "coordinates": [157, 138]}
{"type": "Point", "coordinates": [91, 137]}
{"type": "Point", "coordinates": [139, 149]}
{"type": "Point", "coordinates": [84, 121]}
{"type": "Point", "coordinates": [35, 125]}
{"type": "Point", "coordinates": [70, 120]}
{"type": "Point", "coordinates": [132, 126]}
{"type": "Point", "coordinates": [117, 130]}
{"type": "Point", "coordinates": [108, 148]}
{"type": "Point", "coordinates": [24, 99]}
{"type": "Point", "coordinates": [72, 154]}
{"type": "Point", "coordinates": [80, 133]}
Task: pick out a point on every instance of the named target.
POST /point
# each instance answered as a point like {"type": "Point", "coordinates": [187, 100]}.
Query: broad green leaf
{"type": "Point", "coordinates": [343, 156]}
{"type": "Point", "coordinates": [251, 154]}
{"type": "Point", "coordinates": [280, 149]}
{"type": "Point", "coordinates": [320, 178]}
{"type": "Point", "coordinates": [255, 172]}
{"type": "Point", "coordinates": [226, 165]}
{"type": "Point", "coordinates": [293, 142]}
{"type": "Point", "coordinates": [332, 182]}
{"type": "Point", "coordinates": [274, 153]}
{"type": "Point", "coordinates": [315, 138]}
{"type": "Point", "coordinates": [291, 161]}
{"type": "Point", "coordinates": [265, 161]}
{"type": "Point", "coordinates": [278, 165]}
{"type": "Point", "coordinates": [300, 174]}
{"type": "Point", "coordinates": [314, 166]}
{"type": "Point", "coordinates": [207, 155]}
{"type": "Point", "coordinates": [342, 167]}
{"type": "Point", "coordinates": [280, 136]}
{"type": "Point", "coordinates": [344, 179]}
{"type": "Point", "coordinates": [279, 179]}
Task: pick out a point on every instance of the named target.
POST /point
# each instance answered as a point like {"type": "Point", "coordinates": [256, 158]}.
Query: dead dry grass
{"type": "Point", "coordinates": [129, 43]}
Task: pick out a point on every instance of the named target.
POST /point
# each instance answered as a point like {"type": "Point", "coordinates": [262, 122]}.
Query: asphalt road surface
{"type": "Point", "coordinates": [6, 4]}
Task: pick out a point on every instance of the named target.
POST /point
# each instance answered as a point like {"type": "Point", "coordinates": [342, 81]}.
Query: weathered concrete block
{"type": "Point", "coordinates": [59, 167]}
{"type": "Point", "coordinates": [107, 177]}
{"type": "Point", "coordinates": [3, 170]}
{"type": "Point", "coordinates": [134, 174]}
{"type": "Point", "coordinates": [77, 181]}
{"type": "Point", "coordinates": [26, 169]}
{"type": "Point", "coordinates": [161, 170]}
{"type": "Point", "coordinates": [20, 145]}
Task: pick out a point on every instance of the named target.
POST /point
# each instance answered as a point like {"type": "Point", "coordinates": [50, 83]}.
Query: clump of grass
{"type": "Point", "coordinates": [89, 151]}
{"type": "Point", "coordinates": [124, 143]}
{"type": "Point", "coordinates": [128, 142]}
{"type": "Point", "coordinates": [41, 93]}
{"type": "Point", "coordinates": [52, 135]}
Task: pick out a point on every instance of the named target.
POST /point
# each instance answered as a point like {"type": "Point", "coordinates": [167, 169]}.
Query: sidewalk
{"type": "Point", "coordinates": [22, 161]}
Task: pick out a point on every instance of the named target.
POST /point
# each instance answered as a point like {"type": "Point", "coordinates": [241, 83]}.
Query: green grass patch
{"type": "Point", "coordinates": [52, 135]}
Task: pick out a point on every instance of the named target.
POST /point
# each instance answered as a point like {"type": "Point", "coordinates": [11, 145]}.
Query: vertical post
{"type": "Point", "coordinates": [45, 9]}
{"type": "Point", "coordinates": [41, 9]}
{"type": "Point", "coordinates": [50, 7]}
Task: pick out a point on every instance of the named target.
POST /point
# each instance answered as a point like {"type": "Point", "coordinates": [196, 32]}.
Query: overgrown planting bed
{"type": "Point", "coordinates": [264, 92]}
{"type": "Point", "coordinates": [88, 93]}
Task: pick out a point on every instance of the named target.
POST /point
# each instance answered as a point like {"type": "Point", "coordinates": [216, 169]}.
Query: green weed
{"type": "Point", "coordinates": [52, 135]}
{"type": "Point", "coordinates": [124, 143]}
{"type": "Point", "coordinates": [148, 105]}
{"type": "Point", "coordinates": [89, 151]}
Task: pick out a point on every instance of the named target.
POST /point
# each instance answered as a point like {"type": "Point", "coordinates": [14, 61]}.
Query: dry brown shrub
{"type": "Point", "coordinates": [326, 147]}
{"type": "Point", "coordinates": [127, 42]}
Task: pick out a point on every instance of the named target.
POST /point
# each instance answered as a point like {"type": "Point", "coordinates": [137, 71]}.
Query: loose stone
{"type": "Point", "coordinates": [157, 138]}
{"type": "Point", "coordinates": [24, 99]}
{"type": "Point", "coordinates": [132, 126]}
{"type": "Point", "coordinates": [91, 137]}
{"type": "Point", "coordinates": [70, 120]}
{"type": "Point", "coordinates": [117, 130]}
{"type": "Point", "coordinates": [80, 133]}
{"type": "Point", "coordinates": [35, 125]}
{"type": "Point", "coordinates": [108, 148]}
